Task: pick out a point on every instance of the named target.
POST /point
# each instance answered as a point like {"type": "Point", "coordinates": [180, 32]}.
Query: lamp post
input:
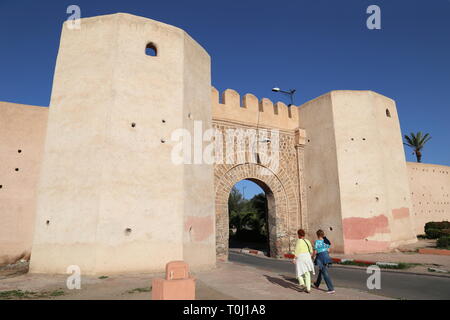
{"type": "Point", "coordinates": [290, 93]}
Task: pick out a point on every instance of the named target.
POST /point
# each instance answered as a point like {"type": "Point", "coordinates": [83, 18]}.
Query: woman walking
{"type": "Point", "coordinates": [322, 260]}
{"type": "Point", "coordinates": [303, 262]}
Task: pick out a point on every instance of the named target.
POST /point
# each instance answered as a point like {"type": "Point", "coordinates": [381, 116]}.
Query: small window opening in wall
{"type": "Point", "coordinates": [1, 186]}
{"type": "Point", "coordinates": [17, 169]}
{"type": "Point", "coordinates": [163, 141]}
{"type": "Point", "coordinates": [163, 121]}
{"type": "Point", "coordinates": [331, 228]}
{"type": "Point", "coordinates": [388, 113]}
{"type": "Point", "coordinates": [133, 125]}
{"type": "Point", "coordinates": [150, 50]}
{"type": "Point", "coordinates": [47, 222]}
{"type": "Point", "coordinates": [19, 151]}
{"type": "Point", "coordinates": [128, 231]}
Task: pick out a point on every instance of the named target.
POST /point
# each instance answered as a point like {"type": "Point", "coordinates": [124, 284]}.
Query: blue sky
{"type": "Point", "coordinates": [314, 46]}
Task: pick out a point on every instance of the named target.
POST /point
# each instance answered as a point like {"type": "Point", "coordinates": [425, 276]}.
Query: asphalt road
{"type": "Point", "coordinates": [393, 284]}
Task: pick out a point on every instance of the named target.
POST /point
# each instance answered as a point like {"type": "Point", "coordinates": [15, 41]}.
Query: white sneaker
{"type": "Point", "coordinates": [331, 291]}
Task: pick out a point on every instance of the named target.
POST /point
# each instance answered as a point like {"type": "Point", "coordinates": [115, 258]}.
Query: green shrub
{"type": "Point", "coordinates": [434, 230]}
{"type": "Point", "coordinates": [443, 241]}
{"type": "Point", "coordinates": [437, 225]}
{"type": "Point", "coordinates": [433, 233]}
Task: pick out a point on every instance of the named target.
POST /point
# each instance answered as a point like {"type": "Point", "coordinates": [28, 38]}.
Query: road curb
{"type": "Point", "coordinates": [434, 272]}
{"type": "Point", "coordinates": [442, 275]}
{"type": "Point", "coordinates": [251, 251]}
{"type": "Point", "coordinates": [339, 261]}
{"type": "Point", "coordinates": [366, 262]}
{"type": "Point", "coordinates": [434, 251]}
{"type": "Point", "coordinates": [343, 266]}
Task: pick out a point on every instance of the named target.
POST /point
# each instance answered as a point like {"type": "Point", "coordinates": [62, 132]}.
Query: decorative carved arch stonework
{"type": "Point", "coordinates": [276, 187]}
{"type": "Point", "coordinates": [282, 183]}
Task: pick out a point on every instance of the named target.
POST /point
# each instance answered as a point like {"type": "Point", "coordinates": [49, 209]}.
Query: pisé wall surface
{"type": "Point", "coordinates": [321, 174]}
{"type": "Point", "coordinates": [430, 193]}
{"type": "Point", "coordinates": [22, 134]}
{"type": "Point", "coordinates": [110, 198]}
{"type": "Point", "coordinates": [356, 176]}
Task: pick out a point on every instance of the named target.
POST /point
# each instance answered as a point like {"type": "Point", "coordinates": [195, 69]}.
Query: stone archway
{"type": "Point", "coordinates": [278, 217]}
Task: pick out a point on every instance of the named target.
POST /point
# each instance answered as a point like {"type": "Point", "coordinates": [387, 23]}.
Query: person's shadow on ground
{"type": "Point", "coordinates": [289, 283]}
{"type": "Point", "coordinates": [295, 281]}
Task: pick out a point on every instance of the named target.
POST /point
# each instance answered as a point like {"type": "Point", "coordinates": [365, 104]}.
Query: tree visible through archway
{"type": "Point", "coordinates": [248, 217]}
{"type": "Point", "coordinates": [278, 204]}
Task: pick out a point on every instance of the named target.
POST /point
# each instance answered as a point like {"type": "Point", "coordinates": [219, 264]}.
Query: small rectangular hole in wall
{"type": "Point", "coordinates": [260, 107]}
{"type": "Point", "coordinates": [242, 104]}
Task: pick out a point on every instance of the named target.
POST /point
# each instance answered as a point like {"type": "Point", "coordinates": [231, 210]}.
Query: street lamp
{"type": "Point", "coordinates": [290, 93]}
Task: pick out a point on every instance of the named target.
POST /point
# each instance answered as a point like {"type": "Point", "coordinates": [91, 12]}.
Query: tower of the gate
{"type": "Point", "coordinates": [110, 197]}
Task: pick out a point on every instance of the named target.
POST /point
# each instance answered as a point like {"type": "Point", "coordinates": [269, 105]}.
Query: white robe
{"type": "Point", "coordinates": [303, 264]}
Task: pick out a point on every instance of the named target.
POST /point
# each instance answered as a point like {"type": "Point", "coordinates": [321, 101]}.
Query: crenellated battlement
{"type": "Point", "coordinates": [262, 113]}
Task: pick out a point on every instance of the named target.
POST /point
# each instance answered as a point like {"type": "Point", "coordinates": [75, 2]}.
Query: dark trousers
{"type": "Point", "coordinates": [323, 272]}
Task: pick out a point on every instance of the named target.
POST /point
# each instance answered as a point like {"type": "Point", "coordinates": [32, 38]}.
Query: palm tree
{"type": "Point", "coordinates": [417, 142]}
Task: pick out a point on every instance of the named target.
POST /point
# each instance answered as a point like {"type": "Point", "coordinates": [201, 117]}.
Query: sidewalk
{"type": "Point", "coordinates": [227, 281]}
{"type": "Point", "coordinates": [246, 282]}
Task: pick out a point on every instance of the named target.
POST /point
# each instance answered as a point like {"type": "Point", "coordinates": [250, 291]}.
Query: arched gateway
{"type": "Point", "coordinates": [275, 163]}
{"type": "Point", "coordinates": [277, 204]}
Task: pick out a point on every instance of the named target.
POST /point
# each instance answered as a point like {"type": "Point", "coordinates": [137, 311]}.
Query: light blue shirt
{"type": "Point", "coordinates": [321, 246]}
